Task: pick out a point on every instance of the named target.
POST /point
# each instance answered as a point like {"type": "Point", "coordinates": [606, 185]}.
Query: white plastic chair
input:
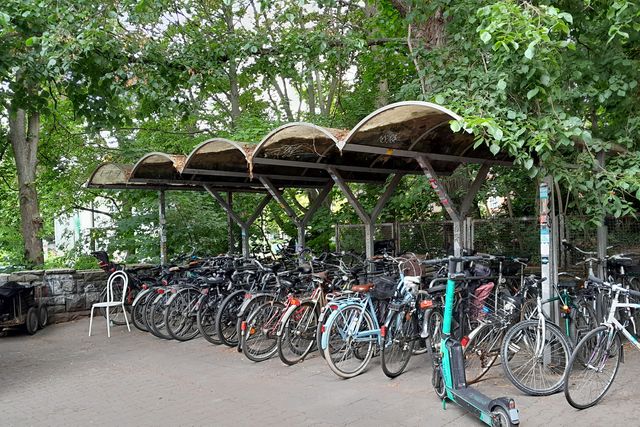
{"type": "Point", "coordinates": [110, 302]}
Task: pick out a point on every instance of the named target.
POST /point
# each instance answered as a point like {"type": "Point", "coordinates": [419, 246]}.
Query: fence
{"type": "Point", "coordinates": [510, 236]}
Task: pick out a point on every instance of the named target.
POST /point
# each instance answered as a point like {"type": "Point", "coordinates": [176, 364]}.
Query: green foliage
{"type": "Point", "coordinates": [550, 83]}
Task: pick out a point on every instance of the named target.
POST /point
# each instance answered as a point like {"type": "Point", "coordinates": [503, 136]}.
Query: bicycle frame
{"type": "Point", "coordinates": [614, 323]}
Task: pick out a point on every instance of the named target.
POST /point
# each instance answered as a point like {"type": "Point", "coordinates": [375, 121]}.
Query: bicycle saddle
{"type": "Point", "coordinates": [363, 288]}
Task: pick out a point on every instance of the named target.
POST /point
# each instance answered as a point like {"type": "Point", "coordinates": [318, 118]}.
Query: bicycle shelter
{"type": "Point", "coordinates": [406, 138]}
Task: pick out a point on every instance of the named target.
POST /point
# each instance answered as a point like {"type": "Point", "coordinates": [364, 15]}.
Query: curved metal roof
{"type": "Point", "coordinates": [387, 141]}
{"type": "Point", "coordinates": [304, 150]}
{"type": "Point", "coordinates": [158, 166]}
{"type": "Point", "coordinates": [395, 133]}
{"type": "Point", "coordinates": [218, 154]}
{"type": "Point", "coordinates": [115, 176]}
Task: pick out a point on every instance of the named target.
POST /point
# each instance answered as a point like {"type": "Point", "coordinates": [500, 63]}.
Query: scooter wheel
{"type": "Point", "coordinates": [502, 418]}
{"type": "Point", "coordinates": [438, 383]}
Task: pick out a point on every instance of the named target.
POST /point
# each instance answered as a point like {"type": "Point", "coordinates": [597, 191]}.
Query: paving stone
{"type": "Point", "coordinates": [62, 377]}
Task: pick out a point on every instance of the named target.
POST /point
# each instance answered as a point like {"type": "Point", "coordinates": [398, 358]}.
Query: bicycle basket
{"type": "Point", "coordinates": [478, 308]}
{"type": "Point", "coordinates": [384, 287]}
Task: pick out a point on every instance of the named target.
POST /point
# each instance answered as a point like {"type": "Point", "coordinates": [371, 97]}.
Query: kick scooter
{"type": "Point", "coordinates": [449, 380]}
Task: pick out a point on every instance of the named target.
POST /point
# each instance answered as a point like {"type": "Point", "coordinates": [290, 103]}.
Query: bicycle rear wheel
{"type": "Point", "coordinates": [399, 341]}
{"type": "Point", "coordinates": [533, 363]}
{"type": "Point", "coordinates": [592, 368]}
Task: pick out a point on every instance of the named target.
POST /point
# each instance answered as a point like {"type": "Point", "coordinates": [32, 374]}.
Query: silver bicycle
{"type": "Point", "coordinates": [595, 360]}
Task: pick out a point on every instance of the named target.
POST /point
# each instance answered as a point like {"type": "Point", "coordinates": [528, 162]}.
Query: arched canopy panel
{"type": "Point", "coordinates": [115, 176]}
{"type": "Point", "coordinates": [220, 158]}
{"type": "Point", "coordinates": [108, 174]}
{"type": "Point", "coordinates": [218, 154]}
{"type": "Point", "coordinates": [158, 167]}
{"type": "Point", "coordinates": [304, 150]}
{"type": "Point", "coordinates": [388, 137]}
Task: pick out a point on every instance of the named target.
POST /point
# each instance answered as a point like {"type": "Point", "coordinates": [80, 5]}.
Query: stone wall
{"type": "Point", "coordinates": [68, 294]}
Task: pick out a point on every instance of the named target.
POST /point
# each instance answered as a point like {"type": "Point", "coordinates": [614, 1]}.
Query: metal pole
{"type": "Point", "coordinates": [230, 236]}
{"type": "Point", "coordinates": [246, 251]}
{"type": "Point", "coordinates": [546, 255]}
{"type": "Point", "coordinates": [163, 229]}
{"type": "Point", "coordinates": [602, 232]}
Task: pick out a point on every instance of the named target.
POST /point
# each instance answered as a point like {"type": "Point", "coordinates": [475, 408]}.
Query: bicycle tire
{"type": "Point", "coordinates": [261, 327]}
{"type": "Point", "coordinates": [586, 354]}
{"type": "Point", "coordinates": [400, 339]}
{"type": "Point", "coordinates": [583, 321]}
{"type": "Point", "coordinates": [338, 321]}
{"type": "Point", "coordinates": [300, 323]}
{"type": "Point", "coordinates": [519, 341]}
{"type": "Point", "coordinates": [227, 318]}
{"type": "Point", "coordinates": [137, 312]}
{"type": "Point", "coordinates": [435, 319]}
{"type": "Point", "coordinates": [482, 351]}
{"type": "Point", "coordinates": [206, 320]}
{"type": "Point", "coordinates": [155, 321]}
{"type": "Point", "coordinates": [179, 315]}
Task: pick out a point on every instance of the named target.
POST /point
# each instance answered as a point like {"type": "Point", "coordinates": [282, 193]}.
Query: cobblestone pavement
{"type": "Point", "coordinates": [62, 377]}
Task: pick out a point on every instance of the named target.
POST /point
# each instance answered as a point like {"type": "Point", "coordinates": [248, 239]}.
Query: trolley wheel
{"type": "Point", "coordinates": [43, 316]}
{"type": "Point", "coordinates": [31, 324]}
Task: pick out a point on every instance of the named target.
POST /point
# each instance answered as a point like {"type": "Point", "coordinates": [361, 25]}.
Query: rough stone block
{"type": "Point", "coordinates": [4, 278]}
{"type": "Point", "coordinates": [55, 271]}
{"type": "Point", "coordinates": [90, 298]}
{"type": "Point", "coordinates": [24, 278]}
{"type": "Point", "coordinates": [91, 276]}
{"type": "Point", "coordinates": [75, 302]}
{"type": "Point", "coordinates": [54, 309]}
{"type": "Point", "coordinates": [60, 284]}
{"type": "Point", "coordinates": [51, 301]}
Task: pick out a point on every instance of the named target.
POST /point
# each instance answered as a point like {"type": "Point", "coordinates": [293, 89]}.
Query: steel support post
{"type": "Point", "coordinates": [245, 225]}
{"type": "Point", "coordinates": [163, 228]}
{"type": "Point", "coordinates": [548, 245]}
{"type": "Point", "coordinates": [602, 232]}
{"type": "Point", "coordinates": [369, 220]}
{"type": "Point", "coordinates": [461, 230]}
{"type": "Point", "coordinates": [300, 222]}
{"type": "Point", "coordinates": [230, 237]}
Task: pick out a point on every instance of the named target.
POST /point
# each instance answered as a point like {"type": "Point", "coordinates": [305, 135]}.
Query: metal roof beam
{"type": "Point", "coordinates": [209, 172]}
{"type": "Point", "coordinates": [244, 224]}
{"type": "Point", "coordinates": [324, 166]}
{"type": "Point", "coordinates": [415, 154]}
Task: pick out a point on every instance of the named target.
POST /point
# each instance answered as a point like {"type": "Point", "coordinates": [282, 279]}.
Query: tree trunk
{"type": "Point", "coordinates": [25, 146]}
{"type": "Point", "coordinates": [234, 88]}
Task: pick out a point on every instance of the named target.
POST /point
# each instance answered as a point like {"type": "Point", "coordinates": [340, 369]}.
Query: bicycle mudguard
{"type": "Point", "coordinates": [140, 295]}
{"type": "Point", "coordinates": [285, 318]}
{"type": "Point", "coordinates": [325, 335]}
{"type": "Point", "coordinates": [248, 301]}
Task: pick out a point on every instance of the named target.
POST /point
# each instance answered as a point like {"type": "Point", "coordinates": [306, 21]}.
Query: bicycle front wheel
{"type": "Point", "coordinates": [592, 367]}
{"type": "Point", "coordinates": [259, 339]}
{"type": "Point", "coordinates": [481, 351]}
{"type": "Point", "coordinates": [351, 341]}
{"type": "Point", "coordinates": [533, 363]}
{"type": "Point", "coordinates": [399, 341]}
{"type": "Point", "coordinates": [299, 333]}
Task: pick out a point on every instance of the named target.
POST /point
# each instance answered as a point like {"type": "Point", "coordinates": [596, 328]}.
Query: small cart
{"type": "Point", "coordinates": [18, 308]}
